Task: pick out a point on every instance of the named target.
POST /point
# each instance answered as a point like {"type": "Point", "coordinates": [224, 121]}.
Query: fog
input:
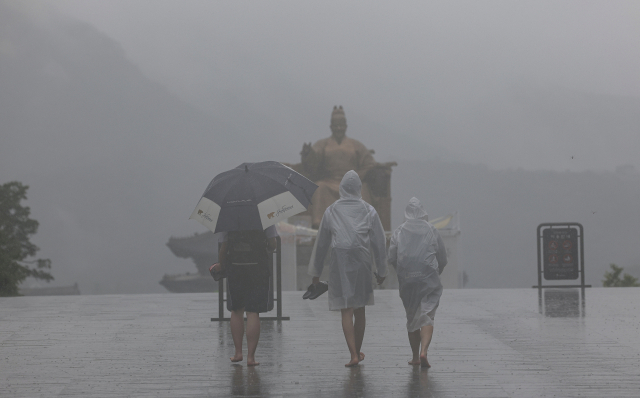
{"type": "Point", "coordinates": [465, 78]}
{"type": "Point", "coordinates": [118, 114]}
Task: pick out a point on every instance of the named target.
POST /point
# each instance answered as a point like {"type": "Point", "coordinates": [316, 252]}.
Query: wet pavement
{"type": "Point", "coordinates": [487, 343]}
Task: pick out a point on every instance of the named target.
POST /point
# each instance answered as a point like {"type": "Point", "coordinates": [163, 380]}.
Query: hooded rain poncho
{"type": "Point", "coordinates": [352, 237]}
{"type": "Point", "coordinates": [419, 256]}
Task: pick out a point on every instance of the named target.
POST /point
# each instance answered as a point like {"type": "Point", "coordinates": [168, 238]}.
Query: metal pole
{"type": "Point", "coordinates": [272, 275]}
{"type": "Point", "coordinates": [539, 271]}
{"type": "Point", "coordinates": [279, 275]}
{"type": "Point", "coordinates": [581, 254]}
{"type": "Point", "coordinates": [221, 299]}
{"type": "Point", "coordinates": [583, 299]}
{"type": "Point", "coordinates": [539, 263]}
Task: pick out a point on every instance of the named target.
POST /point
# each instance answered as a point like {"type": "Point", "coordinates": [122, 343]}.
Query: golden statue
{"type": "Point", "coordinates": [327, 161]}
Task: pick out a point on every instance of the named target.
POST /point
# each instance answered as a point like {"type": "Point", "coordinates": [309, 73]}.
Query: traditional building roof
{"type": "Point", "coordinates": [197, 245]}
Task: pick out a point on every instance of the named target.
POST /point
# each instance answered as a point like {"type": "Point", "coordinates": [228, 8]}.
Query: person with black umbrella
{"type": "Point", "coordinates": [244, 257]}
{"type": "Point", "coordinates": [244, 204]}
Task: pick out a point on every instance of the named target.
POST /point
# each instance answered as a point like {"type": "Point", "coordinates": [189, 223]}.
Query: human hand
{"type": "Point", "coordinates": [272, 245]}
{"type": "Point", "coordinates": [380, 279]}
{"type": "Point", "coordinates": [217, 267]}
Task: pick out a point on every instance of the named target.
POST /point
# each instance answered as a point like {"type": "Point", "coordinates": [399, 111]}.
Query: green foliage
{"type": "Point", "coordinates": [15, 247]}
{"type": "Point", "coordinates": [612, 278]}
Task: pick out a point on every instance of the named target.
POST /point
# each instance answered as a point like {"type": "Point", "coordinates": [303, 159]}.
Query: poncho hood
{"type": "Point", "coordinates": [351, 186]}
{"type": "Point", "coordinates": [414, 210]}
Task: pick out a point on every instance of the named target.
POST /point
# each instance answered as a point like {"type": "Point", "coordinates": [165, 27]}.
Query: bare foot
{"type": "Point", "coordinates": [361, 356]}
{"type": "Point", "coordinates": [414, 362]}
{"type": "Point", "coordinates": [252, 362]}
{"type": "Point", "coordinates": [236, 358]}
{"type": "Point", "coordinates": [353, 362]}
{"type": "Point", "coordinates": [423, 361]}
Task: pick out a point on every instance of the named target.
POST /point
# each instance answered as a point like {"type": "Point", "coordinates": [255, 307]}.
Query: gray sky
{"type": "Point", "coordinates": [116, 163]}
{"type": "Point", "coordinates": [404, 66]}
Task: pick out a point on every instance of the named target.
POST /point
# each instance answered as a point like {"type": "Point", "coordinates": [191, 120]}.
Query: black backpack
{"type": "Point", "coordinates": [246, 247]}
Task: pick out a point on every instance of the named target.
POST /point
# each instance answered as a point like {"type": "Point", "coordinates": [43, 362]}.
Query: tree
{"type": "Point", "coordinates": [15, 229]}
{"type": "Point", "coordinates": [612, 278]}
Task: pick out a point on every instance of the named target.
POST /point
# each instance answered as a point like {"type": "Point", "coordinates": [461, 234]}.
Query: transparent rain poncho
{"type": "Point", "coordinates": [419, 256]}
{"type": "Point", "coordinates": [351, 236]}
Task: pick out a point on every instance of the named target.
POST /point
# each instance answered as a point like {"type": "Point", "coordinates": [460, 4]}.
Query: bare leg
{"type": "Point", "coordinates": [253, 335]}
{"type": "Point", "coordinates": [359, 325]}
{"type": "Point", "coordinates": [349, 335]}
{"type": "Point", "coordinates": [425, 339]}
{"type": "Point", "coordinates": [414, 341]}
{"type": "Point", "coordinates": [237, 332]}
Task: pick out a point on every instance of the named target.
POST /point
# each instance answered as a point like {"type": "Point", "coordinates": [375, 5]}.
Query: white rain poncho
{"type": "Point", "coordinates": [419, 256]}
{"type": "Point", "coordinates": [352, 237]}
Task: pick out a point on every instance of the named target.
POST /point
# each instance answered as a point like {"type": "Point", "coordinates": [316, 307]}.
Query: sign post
{"type": "Point", "coordinates": [560, 255]}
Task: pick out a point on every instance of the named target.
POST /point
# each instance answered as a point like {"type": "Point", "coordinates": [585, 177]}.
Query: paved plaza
{"type": "Point", "coordinates": [487, 343]}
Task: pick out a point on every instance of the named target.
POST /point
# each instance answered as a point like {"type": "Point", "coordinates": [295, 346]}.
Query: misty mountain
{"type": "Point", "coordinates": [116, 162]}
{"type": "Point", "coordinates": [529, 86]}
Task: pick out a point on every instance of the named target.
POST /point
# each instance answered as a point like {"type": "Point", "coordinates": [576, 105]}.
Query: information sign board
{"type": "Point", "coordinates": [560, 253]}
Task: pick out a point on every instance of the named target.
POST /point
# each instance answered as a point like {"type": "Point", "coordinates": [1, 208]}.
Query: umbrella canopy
{"type": "Point", "coordinates": [253, 196]}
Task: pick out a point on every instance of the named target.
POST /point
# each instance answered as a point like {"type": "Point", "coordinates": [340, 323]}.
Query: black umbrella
{"type": "Point", "coordinates": [253, 196]}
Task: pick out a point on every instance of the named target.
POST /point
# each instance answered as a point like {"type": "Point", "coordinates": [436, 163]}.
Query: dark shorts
{"type": "Point", "coordinates": [249, 287]}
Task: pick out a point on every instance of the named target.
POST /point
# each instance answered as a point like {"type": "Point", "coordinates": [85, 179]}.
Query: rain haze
{"type": "Point", "coordinates": [118, 114]}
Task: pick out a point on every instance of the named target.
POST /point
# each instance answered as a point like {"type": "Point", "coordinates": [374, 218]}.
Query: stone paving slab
{"type": "Point", "coordinates": [487, 343]}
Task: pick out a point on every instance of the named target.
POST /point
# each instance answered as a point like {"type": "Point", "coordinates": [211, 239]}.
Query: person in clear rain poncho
{"type": "Point", "coordinates": [419, 256]}
{"type": "Point", "coordinates": [352, 238]}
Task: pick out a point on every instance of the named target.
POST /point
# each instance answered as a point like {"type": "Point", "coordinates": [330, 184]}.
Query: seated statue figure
{"type": "Point", "coordinates": [327, 161]}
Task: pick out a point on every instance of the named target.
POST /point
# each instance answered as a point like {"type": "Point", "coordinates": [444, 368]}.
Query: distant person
{"type": "Point", "coordinates": [244, 257]}
{"type": "Point", "coordinates": [351, 232]}
{"type": "Point", "coordinates": [419, 256]}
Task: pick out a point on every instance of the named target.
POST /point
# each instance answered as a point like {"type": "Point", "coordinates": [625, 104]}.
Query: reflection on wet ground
{"type": "Point", "coordinates": [567, 303]}
{"type": "Point", "coordinates": [246, 382]}
{"type": "Point", "coordinates": [419, 384]}
{"type": "Point", "coordinates": [487, 343]}
{"type": "Point", "coordinates": [354, 385]}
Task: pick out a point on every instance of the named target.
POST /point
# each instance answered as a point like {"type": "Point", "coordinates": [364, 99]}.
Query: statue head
{"type": "Point", "coordinates": [338, 124]}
